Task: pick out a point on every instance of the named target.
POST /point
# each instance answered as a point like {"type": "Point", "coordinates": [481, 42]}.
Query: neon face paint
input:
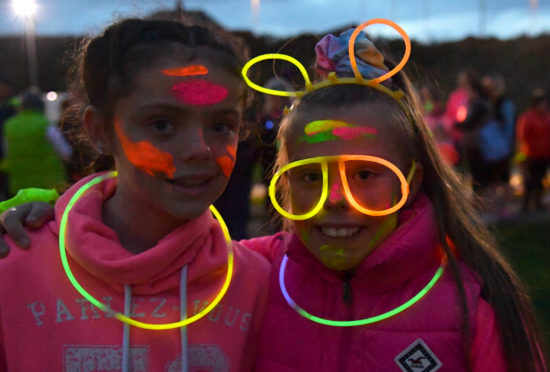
{"type": "Point", "coordinates": [227, 163]}
{"type": "Point", "coordinates": [145, 156]}
{"type": "Point", "coordinates": [199, 92]}
{"type": "Point", "coordinates": [192, 70]}
{"type": "Point", "coordinates": [335, 194]}
{"type": "Point", "coordinates": [337, 251]}
{"type": "Point", "coordinates": [323, 125]}
{"type": "Point", "coordinates": [353, 132]}
{"type": "Point", "coordinates": [329, 130]}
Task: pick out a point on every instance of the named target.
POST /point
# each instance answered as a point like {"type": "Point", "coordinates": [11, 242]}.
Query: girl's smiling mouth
{"type": "Point", "coordinates": [339, 232]}
{"type": "Point", "coordinates": [193, 184]}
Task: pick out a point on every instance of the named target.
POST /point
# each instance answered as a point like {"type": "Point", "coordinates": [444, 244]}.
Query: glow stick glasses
{"type": "Point", "coordinates": [363, 177]}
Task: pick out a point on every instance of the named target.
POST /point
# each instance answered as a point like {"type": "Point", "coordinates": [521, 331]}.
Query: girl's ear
{"type": "Point", "coordinates": [96, 126]}
{"type": "Point", "coordinates": [415, 184]}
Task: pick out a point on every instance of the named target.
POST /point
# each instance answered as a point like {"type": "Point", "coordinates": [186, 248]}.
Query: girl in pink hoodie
{"type": "Point", "coordinates": [384, 265]}
{"type": "Point", "coordinates": [135, 273]}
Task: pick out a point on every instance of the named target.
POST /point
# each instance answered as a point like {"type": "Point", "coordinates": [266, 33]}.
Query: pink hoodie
{"type": "Point", "coordinates": [425, 337]}
{"type": "Point", "coordinates": [45, 324]}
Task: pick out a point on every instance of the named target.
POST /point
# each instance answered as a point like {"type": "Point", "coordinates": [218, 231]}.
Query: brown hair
{"type": "Point", "coordinates": [457, 220]}
{"type": "Point", "coordinates": [105, 66]}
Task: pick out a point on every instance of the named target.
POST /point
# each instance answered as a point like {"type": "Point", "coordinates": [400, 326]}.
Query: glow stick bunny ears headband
{"type": "Point", "coordinates": [332, 79]}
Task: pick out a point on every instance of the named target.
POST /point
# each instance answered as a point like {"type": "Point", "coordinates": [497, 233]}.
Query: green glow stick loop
{"type": "Point", "coordinates": [359, 322]}
{"type": "Point", "coordinates": [120, 316]}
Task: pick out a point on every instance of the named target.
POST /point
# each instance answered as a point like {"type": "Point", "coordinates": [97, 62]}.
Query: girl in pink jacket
{"type": "Point", "coordinates": [384, 265]}
{"type": "Point", "coordinates": [134, 273]}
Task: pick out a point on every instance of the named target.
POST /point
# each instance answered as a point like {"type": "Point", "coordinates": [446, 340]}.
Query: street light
{"type": "Point", "coordinates": [26, 10]}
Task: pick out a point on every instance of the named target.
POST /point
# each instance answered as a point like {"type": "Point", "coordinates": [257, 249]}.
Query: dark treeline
{"type": "Point", "coordinates": [523, 61]}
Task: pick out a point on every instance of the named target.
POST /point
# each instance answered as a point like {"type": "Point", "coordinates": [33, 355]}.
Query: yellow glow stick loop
{"type": "Point", "coordinates": [341, 159]}
{"type": "Point", "coordinates": [122, 317]}
{"type": "Point", "coordinates": [274, 92]}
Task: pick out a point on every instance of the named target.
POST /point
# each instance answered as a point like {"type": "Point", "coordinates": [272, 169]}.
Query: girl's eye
{"type": "Point", "coordinates": [362, 174]}
{"type": "Point", "coordinates": [223, 127]}
{"type": "Point", "coordinates": [162, 126]}
{"type": "Point", "coordinates": [310, 177]}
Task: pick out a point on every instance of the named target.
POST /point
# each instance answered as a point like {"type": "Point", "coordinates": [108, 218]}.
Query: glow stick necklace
{"type": "Point", "coordinates": [120, 316]}
{"type": "Point", "coordinates": [352, 323]}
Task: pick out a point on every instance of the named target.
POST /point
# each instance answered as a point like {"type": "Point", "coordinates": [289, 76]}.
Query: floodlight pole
{"type": "Point", "coordinates": [30, 36]}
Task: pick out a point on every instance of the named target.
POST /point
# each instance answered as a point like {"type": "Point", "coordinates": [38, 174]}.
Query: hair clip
{"type": "Point", "coordinates": [332, 79]}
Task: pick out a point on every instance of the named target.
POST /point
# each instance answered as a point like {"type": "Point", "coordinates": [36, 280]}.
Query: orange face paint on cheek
{"type": "Point", "coordinates": [145, 156]}
{"type": "Point", "coordinates": [199, 92]}
{"type": "Point", "coordinates": [192, 70]}
{"type": "Point", "coordinates": [227, 163]}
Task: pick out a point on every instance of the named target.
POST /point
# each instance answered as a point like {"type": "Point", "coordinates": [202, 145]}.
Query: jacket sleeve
{"type": "Point", "coordinates": [487, 354]}
{"type": "Point", "coordinates": [3, 361]}
{"type": "Point", "coordinates": [267, 246]}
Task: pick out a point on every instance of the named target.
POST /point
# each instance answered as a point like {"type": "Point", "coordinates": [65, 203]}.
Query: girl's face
{"type": "Point", "coordinates": [175, 136]}
{"type": "Point", "coordinates": [339, 236]}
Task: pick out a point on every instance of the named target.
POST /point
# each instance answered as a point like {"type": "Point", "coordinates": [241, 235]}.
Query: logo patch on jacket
{"type": "Point", "coordinates": [418, 357]}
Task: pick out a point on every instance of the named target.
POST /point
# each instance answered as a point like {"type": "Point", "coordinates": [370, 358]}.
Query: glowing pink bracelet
{"type": "Point", "coordinates": [120, 316]}
{"type": "Point", "coordinates": [359, 322]}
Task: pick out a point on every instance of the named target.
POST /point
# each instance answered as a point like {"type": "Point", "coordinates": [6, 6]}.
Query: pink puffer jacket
{"type": "Point", "coordinates": [425, 337]}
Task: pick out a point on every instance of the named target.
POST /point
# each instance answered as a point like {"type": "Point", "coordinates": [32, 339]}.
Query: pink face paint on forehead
{"type": "Point", "coordinates": [192, 70]}
{"type": "Point", "coordinates": [145, 156]}
{"type": "Point", "coordinates": [199, 92]}
{"type": "Point", "coordinates": [349, 133]}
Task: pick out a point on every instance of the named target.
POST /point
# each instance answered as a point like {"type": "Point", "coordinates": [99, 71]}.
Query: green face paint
{"type": "Point", "coordinates": [329, 130]}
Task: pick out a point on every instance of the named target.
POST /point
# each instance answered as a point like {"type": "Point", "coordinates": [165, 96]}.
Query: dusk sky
{"type": "Point", "coordinates": [423, 20]}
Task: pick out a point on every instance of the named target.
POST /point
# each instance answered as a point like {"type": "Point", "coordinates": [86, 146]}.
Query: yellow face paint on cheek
{"type": "Point", "coordinates": [145, 156]}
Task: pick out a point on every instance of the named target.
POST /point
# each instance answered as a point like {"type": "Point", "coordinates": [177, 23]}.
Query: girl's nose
{"type": "Point", "coordinates": [336, 196]}
{"type": "Point", "coordinates": [194, 147]}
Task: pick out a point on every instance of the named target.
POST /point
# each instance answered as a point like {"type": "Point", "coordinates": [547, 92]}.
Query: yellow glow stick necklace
{"type": "Point", "coordinates": [120, 316]}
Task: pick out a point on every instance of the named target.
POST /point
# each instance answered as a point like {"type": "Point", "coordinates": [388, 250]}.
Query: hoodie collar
{"type": "Point", "coordinates": [96, 248]}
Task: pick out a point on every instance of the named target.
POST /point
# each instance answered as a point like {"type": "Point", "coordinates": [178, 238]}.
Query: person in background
{"type": "Point", "coordinates": [503, 112]}
{"type": "Point", "coordinates": [469, 123]}
{"type": "Point", "coordinates": [533, 136]}
{"type": "Point", "coordinates": [30, 158]}
{"type": "Point", "coordinates": [434, 115]}
{"type": "Point", "coordinates": [8, 104]}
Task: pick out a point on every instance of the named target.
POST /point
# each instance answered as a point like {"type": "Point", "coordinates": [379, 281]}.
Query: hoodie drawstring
{"type": "Point", "coordinates": [183, 330]}
{"type": "Point", "coordinates": [126, 329]}
{"type": "Point", "coordinates": [183, 315]}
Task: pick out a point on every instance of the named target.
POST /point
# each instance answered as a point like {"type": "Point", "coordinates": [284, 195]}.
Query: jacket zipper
{"type": "Point", "coordinates": [346, 292]}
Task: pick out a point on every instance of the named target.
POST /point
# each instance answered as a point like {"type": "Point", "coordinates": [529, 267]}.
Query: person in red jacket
{"type": "Point", "coordinates": [533, 136]}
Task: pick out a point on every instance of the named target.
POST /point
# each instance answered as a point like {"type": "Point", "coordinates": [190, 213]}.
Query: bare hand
{"type": "Point", "coordinates": [33, 215]}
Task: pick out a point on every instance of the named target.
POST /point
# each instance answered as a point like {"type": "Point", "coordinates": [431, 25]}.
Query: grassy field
{"type": "Point", "coordinates": [526, 243]}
